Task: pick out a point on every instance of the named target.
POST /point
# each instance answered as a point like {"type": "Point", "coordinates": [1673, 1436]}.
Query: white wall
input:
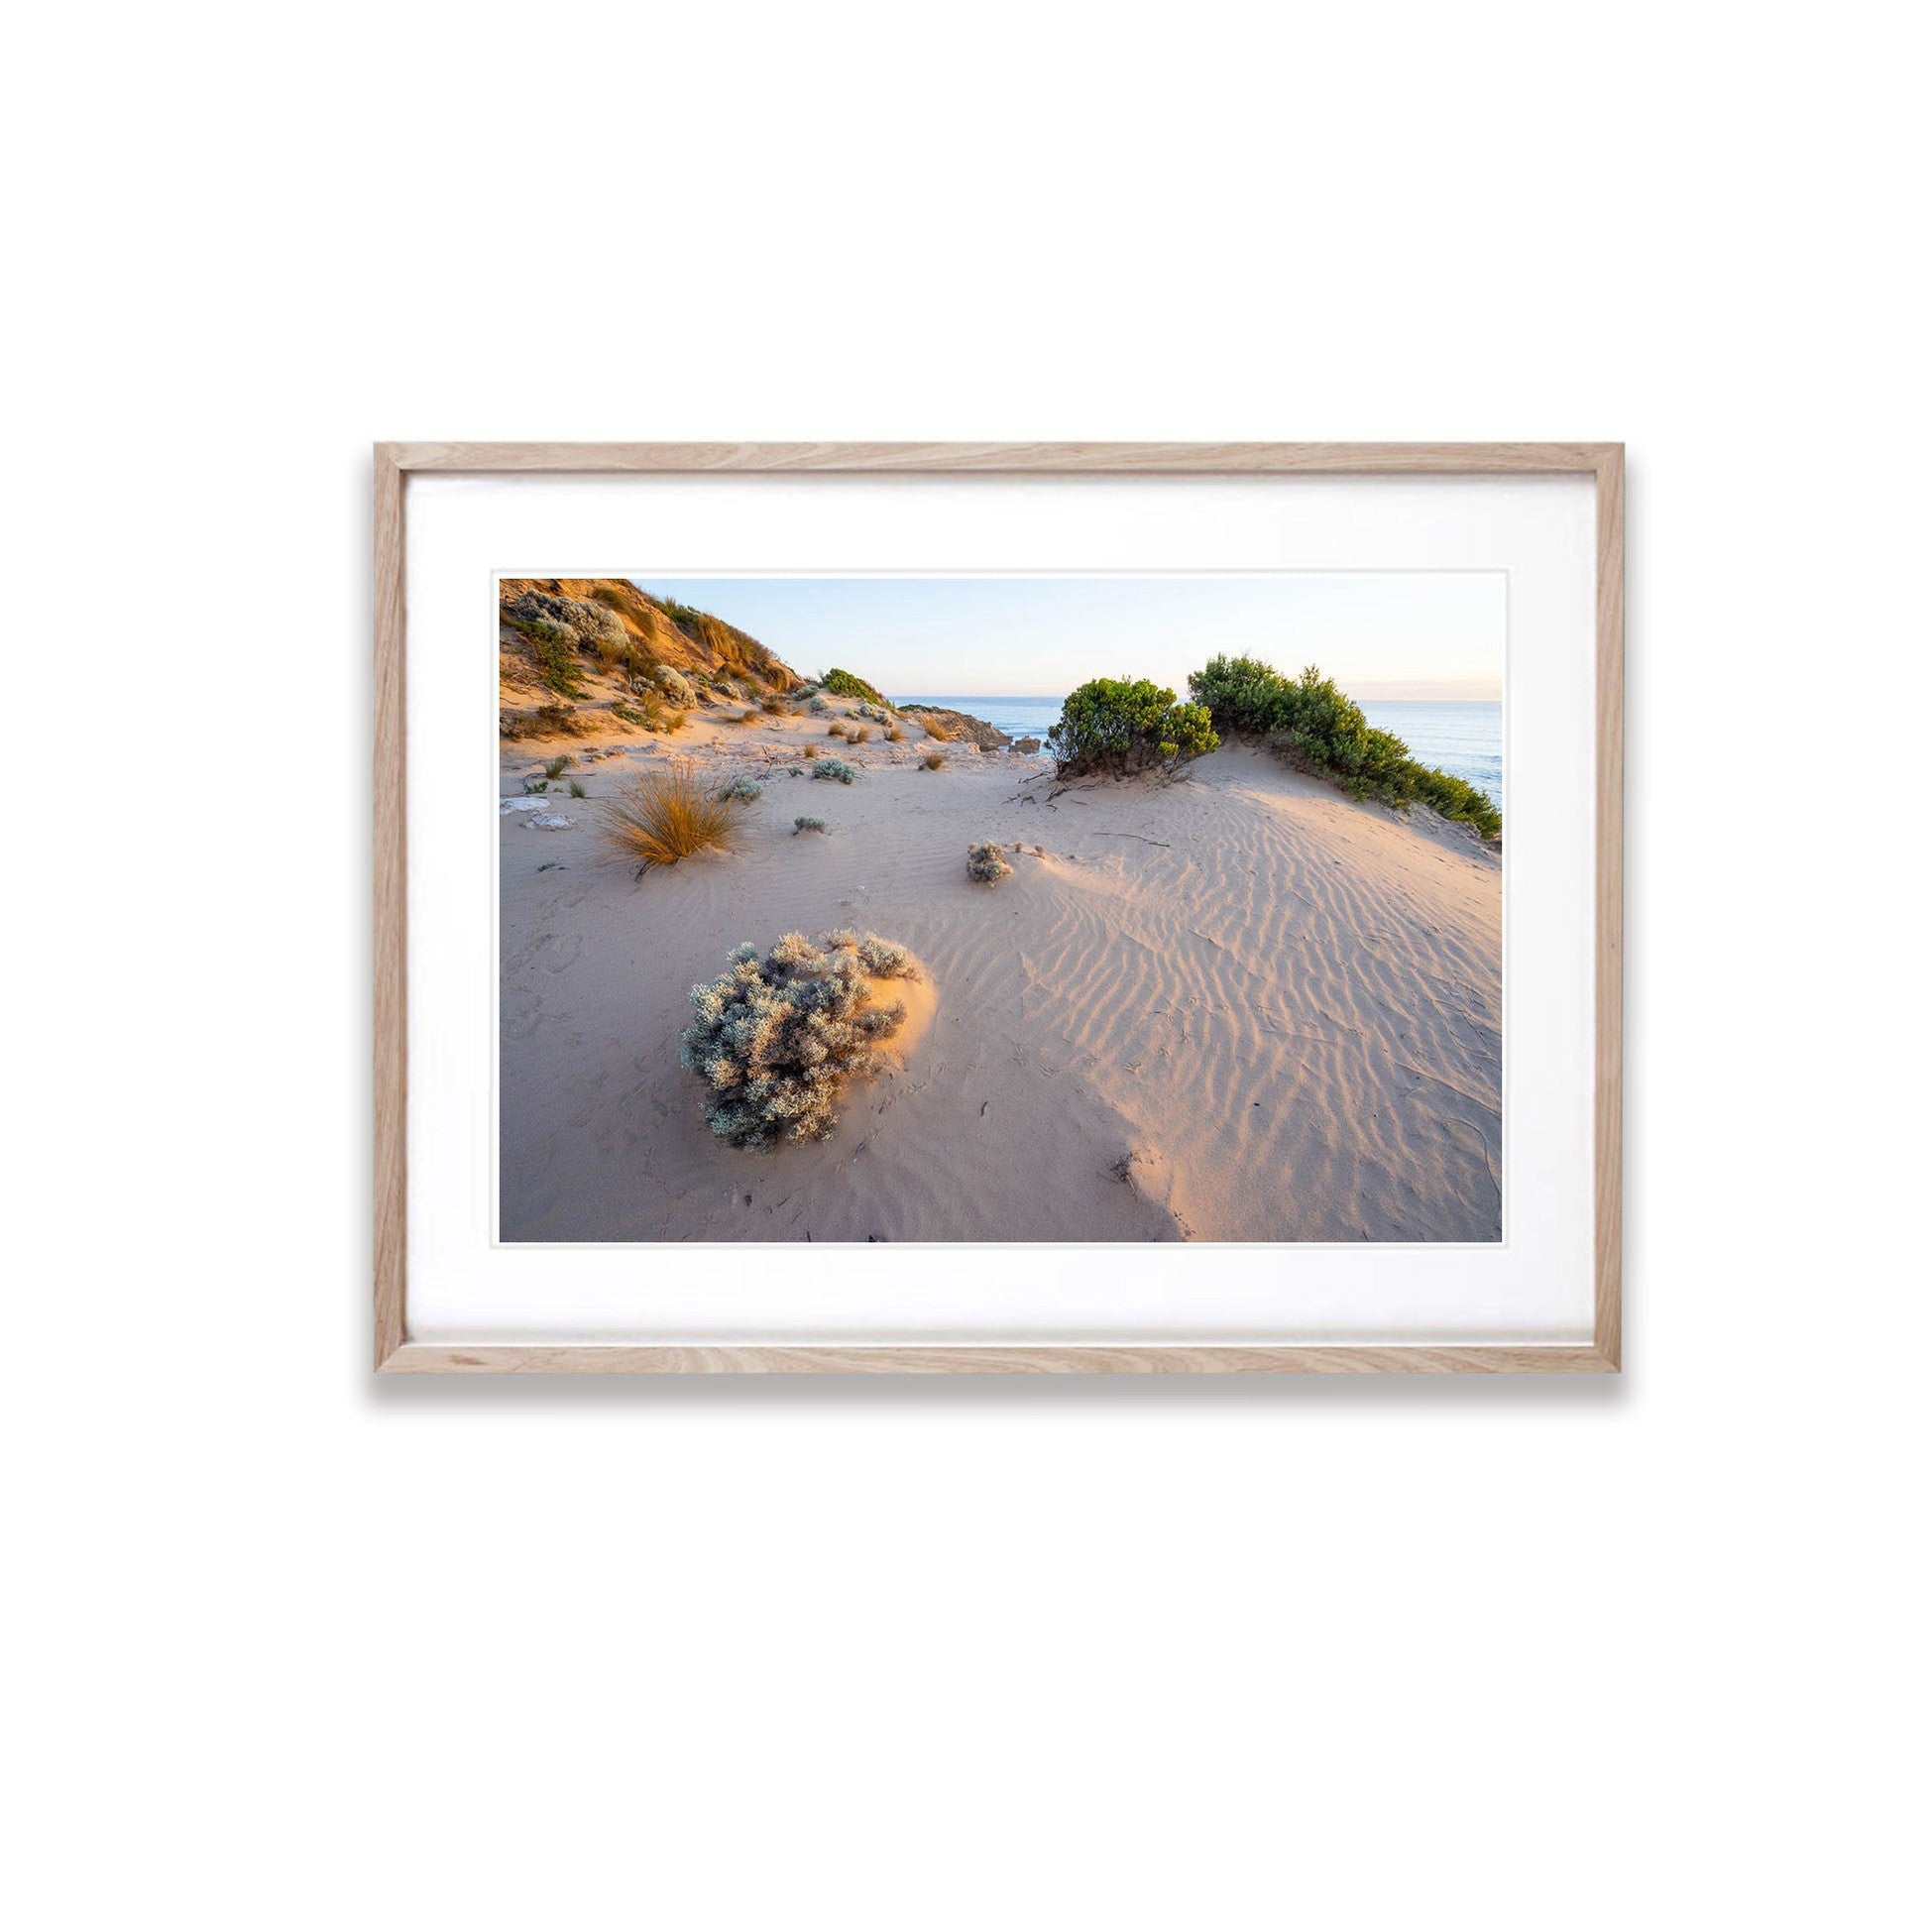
{"type": "Point", "coordinates": [294, 1650]}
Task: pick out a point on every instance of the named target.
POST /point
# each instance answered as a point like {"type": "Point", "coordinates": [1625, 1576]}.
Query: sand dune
{"type": "Point", "coordinates": [1239, 1007]}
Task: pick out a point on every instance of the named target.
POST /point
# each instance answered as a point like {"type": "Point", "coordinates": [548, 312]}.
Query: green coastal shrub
{"type": "Point", "coordinates": [1312, 725]}
{"type": "Point", "coordinates": [834, 768]}
{"type": "Point", "coordinates": [985, 865]}
{"type": "Point", "coordinates": [843, 684]}
{"type": "Point", "coordinates": [774, 1039]}
{"type": "Point", "coordinates": [554, 660]}
{"type": "Point", "coordinates": [1122, 725]}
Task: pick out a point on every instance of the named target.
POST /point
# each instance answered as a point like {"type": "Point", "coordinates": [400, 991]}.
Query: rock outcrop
{"type": "Point", "coordinates": [960, 724]}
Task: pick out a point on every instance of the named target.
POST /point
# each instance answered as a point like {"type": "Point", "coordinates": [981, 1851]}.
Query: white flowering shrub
{"type": "Point", "coordinates": [834, 768]}
{"type": "Point", "coordinates": [985, 865]}
{"type": "Point", "coordinates": [776, 1038]}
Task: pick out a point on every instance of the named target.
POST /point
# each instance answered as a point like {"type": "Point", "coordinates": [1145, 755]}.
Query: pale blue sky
{"type": "Point", "coordinates": [1395, 635]}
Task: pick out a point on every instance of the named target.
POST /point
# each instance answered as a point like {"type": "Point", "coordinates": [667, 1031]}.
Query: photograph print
{"type": "Point", "coordinates": [1001, 909]}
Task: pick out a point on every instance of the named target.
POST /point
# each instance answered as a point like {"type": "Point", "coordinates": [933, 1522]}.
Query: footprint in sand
{"type": "Point", "coordinates": [563, 954]}
{"type": "Point", "coordinates": [1150, 1175]}
{"type": "Point", "coordinates": [523, 1011]}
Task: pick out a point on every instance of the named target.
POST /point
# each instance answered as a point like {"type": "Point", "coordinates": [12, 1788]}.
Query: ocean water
{"type": "Point", "coordinates": [1016, 717]}
{"type": "Point", "coordinates": [1463, 738]}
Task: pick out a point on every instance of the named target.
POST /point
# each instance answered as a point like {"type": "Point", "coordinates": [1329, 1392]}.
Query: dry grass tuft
{"type": "Point", "coordinates": [811, 751]}
{"type": "Point", "coordinates": [895, 734]}
{"type": "Point", "coordinates": [658, 817]}
{"type": "Point", "coordinates": [932, 760]}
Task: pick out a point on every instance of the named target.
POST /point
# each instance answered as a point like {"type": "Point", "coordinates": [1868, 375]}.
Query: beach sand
{"type": "Point", "coordinates": [1235, 1007]}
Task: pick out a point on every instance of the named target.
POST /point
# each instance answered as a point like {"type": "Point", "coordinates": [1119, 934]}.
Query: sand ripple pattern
{"type": "Point", "coordinates": [1239, 1009]}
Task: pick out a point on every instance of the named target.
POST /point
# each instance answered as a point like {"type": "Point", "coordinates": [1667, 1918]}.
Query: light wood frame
{"type": "Point", "coordinates": [397, 462]}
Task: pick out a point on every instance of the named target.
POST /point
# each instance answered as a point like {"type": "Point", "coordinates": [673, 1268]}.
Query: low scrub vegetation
{"type": "Point", "coordinates": [816, 702]}
{"type": "Point", "coordinates": [806, 821]}
{"type": "Point", "coordinates": [649, 714]}
{"type": "Point", "coordinates": [557, 631]}
{"type": "Point", "coordinates": [843, 684]}
{"type": "Point", "coordinates": [1318, 729]}
{"type": "Point", "coordinates": [810, 751]}
{"type": "Point", "coordinates": [932, 760]}
{"type": "Point", "coordinates": [675, 686]}
{"type": "Point", "coordinates": [775, 1037]}
{"type": "Point", "coordinates": [985, 864]}
{"type": "Point", "coordinates": [732, 648]}
{"type": "Point", "coordinates": [657, 818]}
{"type": "Point", "coordinates": [744, 788]}
{"type": "Point", "coordinates": [834, 768]}
{"type": "Point", "coordinates": [1125, 724]}
{"type": "Point", "coordinates": [857, 735]}
{"type": "Point", "coordinates": [895, 735]}
{"type": "Point", "coordinates": [555, 664]}
{"type": "Point", "coordinates": [556, 768]}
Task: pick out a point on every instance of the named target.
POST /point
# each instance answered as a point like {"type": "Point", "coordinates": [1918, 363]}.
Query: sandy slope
{"type": "Point", "coordinates": [1275, 1012]}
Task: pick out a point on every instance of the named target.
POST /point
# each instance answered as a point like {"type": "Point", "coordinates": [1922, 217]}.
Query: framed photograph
{"type": "Point", "coordinates": [998, 907]}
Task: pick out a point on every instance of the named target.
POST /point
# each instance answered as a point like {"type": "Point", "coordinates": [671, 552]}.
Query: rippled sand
{"type": "Point", "coordinates": [1239, 1007]}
